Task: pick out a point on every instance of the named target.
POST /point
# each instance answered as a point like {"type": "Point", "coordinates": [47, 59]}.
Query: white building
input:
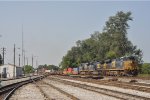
{"type": "Point", "coordinates": [9, 71]}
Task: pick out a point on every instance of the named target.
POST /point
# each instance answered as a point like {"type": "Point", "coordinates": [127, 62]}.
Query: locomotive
{"type": "Point", "coordinates": [124, 66]}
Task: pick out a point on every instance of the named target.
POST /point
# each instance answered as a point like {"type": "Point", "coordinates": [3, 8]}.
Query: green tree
{"type": "Point", "coordinates": [52, 67]}
{"type": "Point", "coordinates": [118, 23]}
{"type": "Point", "coordinates": [146, 68]}
{"type": "Point", "coordinates": [117, 27]}
{"type": "Point", "coordinates": [111, 55]}
{"type": "Point", "coordinates": [29, 69]}
{"type": "Point", "coordinates": [111, 43]}
{"type": "Point", "coordinates": [48, 67]}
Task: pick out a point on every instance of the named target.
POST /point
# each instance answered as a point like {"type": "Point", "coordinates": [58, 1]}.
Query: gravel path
{"type": "Point", "coordinates": [28, 92]}
{"type": "Point", "coordinates": [82, 94]}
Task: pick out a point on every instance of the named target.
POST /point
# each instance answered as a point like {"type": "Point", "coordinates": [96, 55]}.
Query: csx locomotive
{"type": "Point", "coordinates": [124, 66]}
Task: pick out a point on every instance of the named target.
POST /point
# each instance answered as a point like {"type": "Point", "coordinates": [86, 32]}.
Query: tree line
{"type": "Point", "coordinates": [30, 69]}
{"type": "Point", "coordinates": [48, 67]}
{"type": "Point", "coordinates": [111, 43]}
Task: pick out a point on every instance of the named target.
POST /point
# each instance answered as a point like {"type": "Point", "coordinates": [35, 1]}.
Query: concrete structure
{"type": "Point", "coordinates": [8, 71]}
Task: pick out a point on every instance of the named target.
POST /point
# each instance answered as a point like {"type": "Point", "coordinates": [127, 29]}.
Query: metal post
{"type": "Point", "coordinates": [37, 63]}
{"type": "Point", "coordinates": [32, 60]}
{"type": "Point", "coordinates": [27, 60]}
{"type": "Point", "coordinates": [19, 60]}
{"type": "Point", "coordinates": [24, 59]}
{"type": "Point", "coordinates": [3, 50]}
{"type": "Point", "coordinates": [3, 56]}
{"type": "Point", "coordinates": [14, 61]}
{"type": "Point", "coordinates": [23, 50]}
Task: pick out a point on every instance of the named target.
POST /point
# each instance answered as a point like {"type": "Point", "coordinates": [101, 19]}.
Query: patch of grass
{"type": "Point", "coordinates": [144, 75]}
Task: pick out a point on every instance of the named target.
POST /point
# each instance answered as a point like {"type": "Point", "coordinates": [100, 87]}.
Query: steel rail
{"type": "Point", "coordinates": [41, 90]}
{"type": "Point", "coordinates": [7, 91]}
{"type": "Point", "coordinates": [116, 94]}
{"type": "Point", "coordinates": [60, 90]}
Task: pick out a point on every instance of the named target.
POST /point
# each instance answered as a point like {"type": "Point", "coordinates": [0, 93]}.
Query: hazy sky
{"type": "Point", "coordinates": [52, 28]}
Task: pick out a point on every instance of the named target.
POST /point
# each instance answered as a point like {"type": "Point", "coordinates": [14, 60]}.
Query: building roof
{"type": "Point", "coordinates": [11, 65]}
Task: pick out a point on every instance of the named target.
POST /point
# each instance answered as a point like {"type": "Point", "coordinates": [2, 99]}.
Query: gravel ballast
{"type": "Point", "coordinates": [28, 92]}
{"type": "Point", "coordinates": [53, 93]}
{"type": "Point", "coordinates": [82, 94]}
{"type": "Point", "coordinates": [129, 91]}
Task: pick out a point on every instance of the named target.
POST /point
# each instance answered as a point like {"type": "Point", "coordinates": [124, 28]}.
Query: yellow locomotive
{"type": "Point", "coordinates": [124, 66]}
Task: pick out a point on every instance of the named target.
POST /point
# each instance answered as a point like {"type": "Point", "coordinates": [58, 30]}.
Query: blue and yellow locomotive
{"type": "Point", "coordinates": [124, 66]}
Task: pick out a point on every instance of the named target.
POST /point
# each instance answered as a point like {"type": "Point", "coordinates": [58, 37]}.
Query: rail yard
{"type": "Point", "coordinates": [56, 51]}
{"type": "Point", "coordinates": [60, 87]}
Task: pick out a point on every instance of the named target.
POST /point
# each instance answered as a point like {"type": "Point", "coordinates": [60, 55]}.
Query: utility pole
{"type": "Point", "coordinates": [14, 60]}
{"type": "Point", "coordinates": [24, 59]}
{"type": "Point", "coordinates": [32, 60]}
{"type": "Point", "coordinates": [19, 60]}
{"type": "Point", "coordinates": [23, 50]}
{"type": "Point", "coordinates": [27, 60]}
{"type": "Point", "coordinates": [37, 63]}
{"type": "Point", "coordinates": [0, 68]}
{"type": "Point", "coordinates": [3, 50]}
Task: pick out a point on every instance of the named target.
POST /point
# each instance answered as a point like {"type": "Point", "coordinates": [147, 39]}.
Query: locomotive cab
{"type": "Point", "coordinates": [130, 66]}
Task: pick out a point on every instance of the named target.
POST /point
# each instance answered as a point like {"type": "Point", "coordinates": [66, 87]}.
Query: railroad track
{"type": "Point", "coordinates": [7, 91]}
{"type": "Point", "coordinates": [42, 83]}
{"type": "Point", "coordinates": [112, 93]}
{"type": "Point", "coordinates": [42, 91]}
{"type": "Point", "coordinates": [126, 85]}
{"type": "Point", "coordinates": [139, 87]}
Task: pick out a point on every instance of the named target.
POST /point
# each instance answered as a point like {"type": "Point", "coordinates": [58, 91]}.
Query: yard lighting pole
{"type": "Point", "coordinates": [32, 60]}
{"type": "Point", "coordinates": [23, 50]}
{"type": "Point", "coordinates": [37, 63]}
{"type": "Point", "coordinates": [19, 60]}
{"type": "Point", "coordinates": [36, 60]}
{"type": "Point", "coordinates": [3, 50]}
{"type": "Point", "coordinates": [27, 60]}
{"type": "Point", "coordinates": [24, 59]}
{"type": "Point", "coordinates": [19, 56]}
{"type": "Point", "coordinates": [14, 61]}
{"type": "Point", "coordinates": [0, 70]}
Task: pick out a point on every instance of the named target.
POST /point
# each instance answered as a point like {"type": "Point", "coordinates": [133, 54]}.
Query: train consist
{"type": "Point", "coordinates": [124, 66]}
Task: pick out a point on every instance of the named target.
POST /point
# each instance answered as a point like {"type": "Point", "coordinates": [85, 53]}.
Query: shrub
{"type": "Point", "coordinates": [145, 68]}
